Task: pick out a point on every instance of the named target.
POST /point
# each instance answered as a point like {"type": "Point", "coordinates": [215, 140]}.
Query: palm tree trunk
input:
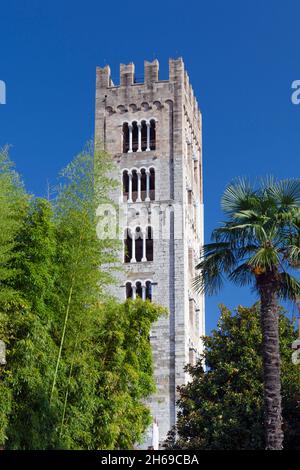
{"type": "Point", "coordinates": [271, 363]}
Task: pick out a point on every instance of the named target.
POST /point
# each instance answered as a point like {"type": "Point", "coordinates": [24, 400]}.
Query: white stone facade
{"type": "Point", "coordinates": [169, 200]}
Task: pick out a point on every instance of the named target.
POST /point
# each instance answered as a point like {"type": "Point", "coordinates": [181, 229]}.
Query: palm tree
{"type": "Point", "coordinates": [259, 245]}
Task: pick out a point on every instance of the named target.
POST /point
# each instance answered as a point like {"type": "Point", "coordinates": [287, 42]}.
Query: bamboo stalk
{"type": "Point", "coordinates": [69, 381]}
{"type": "Point", "coordinates": [62, 339]}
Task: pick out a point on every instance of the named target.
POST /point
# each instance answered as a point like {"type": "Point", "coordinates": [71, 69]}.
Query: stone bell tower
{"type": "Point", "coordinates": [152, 130]}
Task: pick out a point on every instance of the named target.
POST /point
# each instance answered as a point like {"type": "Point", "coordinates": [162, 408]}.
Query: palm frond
{"type": "Point", "coordinates": [239, 196]}
{"type": "Point", "coordinates": [235, 235]}
{"type": "Point", "coordinates": [286, 192]}
{"type": "Point", "coordinates": [208, 282]}
{"type": "Point", "coordinates": [242, 275]}
{"type": "Point", "coordinates": [261, 234]}
{"type": "Point", "coordinates": [246, 251]}
{"type": "Point", "coordinates": [244, 234]}
{"type": "Point", "coordinates": [211, 248]}
{"type": "Point", "coordinates": [265, 258]}
{"type": "Point", "coordinates": [289, 216]}
{"type": "Point", "coordinates": [248, 216]}
{"type": "Point", "coordinates": [292, 255]}
{"type": "Point", "coordinates": [289, 287]}
{"type": "Point", "coordinates": [216, 259]}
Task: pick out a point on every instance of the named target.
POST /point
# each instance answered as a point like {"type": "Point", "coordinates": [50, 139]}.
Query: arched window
{"type": "Point", "coordinates": [144, 135]}
{"type": "Point", "coordinates": [152, 184]}
{"type": "Point", "coordinates": [152, 135]}
{"type": "Point", "coordinates": [125, 185]}
{"type": "Point", "coordinates": [139, 137]}
{"type": "Point", "coordinates": [127, 246]}
{"type": "Point", "coordinates": [142, 289]}
{"type": "Point", "coordinates": [139, 289]}
{"type": "Point", "coordinates": [138, 245]}
{"type": "Point", "coordinates": [139, 242]}
{"type": "Point", "coordinates": [149, 244]}
{"type": "Point", "coordinates": [143, 194]}
{"type": "Point", "coordinates": [129, 290]}
{"type": "Point", "coordinates": [125, 137]}
{"type": "Point", "coordinates": [134, 196]}
{"type": "Point", "coordinates": [148, 290]}
{"type": "Point", "coordinates": [139, 185]}
{"type": "Point", "coordinates": [135, 136]}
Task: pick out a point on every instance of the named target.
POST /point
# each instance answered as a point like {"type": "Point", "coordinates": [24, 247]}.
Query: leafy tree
{"type": "Point", "coordinates": [126, 373]}
{"type": "Point", "coordinates": [79, 365]}
{"type": "Point", "coordinates": [259, 245]}
{"type": "Point", "coordinates": [100, 391]}
{"type": "Point", "coordinates": [13, 202]}
{"type": "Point", "coordinates": [222, 407]}
{"type": "Point", "coordinates": [31, 350]}
{"type": "Point", "coordinates": [82, 263]}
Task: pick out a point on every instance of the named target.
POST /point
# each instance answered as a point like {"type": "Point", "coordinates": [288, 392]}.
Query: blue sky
{"type": "Point", "coordinates": [241, 58]}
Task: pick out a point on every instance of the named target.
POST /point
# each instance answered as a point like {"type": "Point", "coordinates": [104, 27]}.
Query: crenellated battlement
{"type": "Point", "coordinates": [127, 77]}
{"type": "Point", "coordinates": [151, 72]}
{"type": "Point", "coordinates": [129, 85]}
{"type": "Point", "coordinates": [126, 74]}
{"type": "Point", "coordinates": [103, 79]}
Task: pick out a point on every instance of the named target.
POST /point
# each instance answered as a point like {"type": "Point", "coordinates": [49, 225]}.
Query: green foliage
{"type": "Point", "coordinates": [222, 407]}
{"type": "Point", "coordinates": [79, 285]}
{"type": "Point", "coordinates": [112, 373]}
{"type": "Point", "coordinates": [259, 245]}
{"type": "Point", "coordinates": [260, 235]}
{"type": "Point", "coordinates": [31, 350]}
{"type": "Point", "coordinates": [126, 373]}
{"type": "Point", "coordinates": [13, 202]}
{"type": "Point", "coordinates": [79, 365]}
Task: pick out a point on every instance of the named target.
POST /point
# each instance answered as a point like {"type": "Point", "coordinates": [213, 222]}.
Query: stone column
{"type": "Point", "coordinates": [147, 185]}
{"type": "Point", "coordinates": [139, 195]}
{"type": "Point", "coordinates": [133, 291]}
{"type": "Point", "coordinates": [139, 137]}
{"type": "Point", "coordinates": [148, 136]}
{"type": "Point", "coordinates": [144, 258]}
{"type": "Point", "coordinates": [143, 292]}
{"type": "Point", "coordinates": [133, 260]}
